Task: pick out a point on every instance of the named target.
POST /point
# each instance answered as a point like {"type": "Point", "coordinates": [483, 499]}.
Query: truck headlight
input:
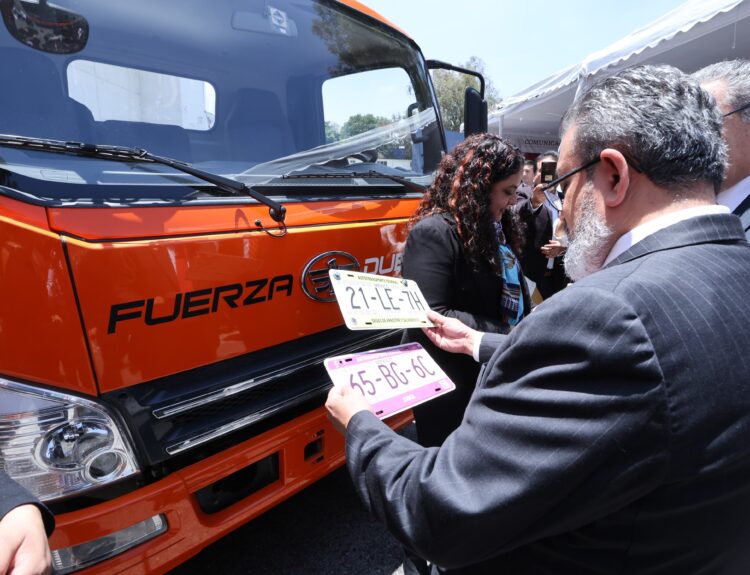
{"type": "Point", "coordinates": [56, 444]}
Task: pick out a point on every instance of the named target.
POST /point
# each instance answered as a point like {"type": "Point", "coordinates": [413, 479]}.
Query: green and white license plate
{"type": "Point", "coordinates": [369, 301]}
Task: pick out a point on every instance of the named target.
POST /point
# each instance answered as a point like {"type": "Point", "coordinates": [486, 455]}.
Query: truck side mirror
{"type": "Point", "coordinates": [475, 112]}
{"type": "Point", "coordinates": [475, 106]}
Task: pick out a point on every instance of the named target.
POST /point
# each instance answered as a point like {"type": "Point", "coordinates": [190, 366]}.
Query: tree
{"type": "Point", "coordinates": [450, 87]}
{"type": "Point", "coordinates": [391, 146]}
{"type": "Point", "coordinates": [333, 132]}
{"type": "Point", "coordinates": [360, 123]}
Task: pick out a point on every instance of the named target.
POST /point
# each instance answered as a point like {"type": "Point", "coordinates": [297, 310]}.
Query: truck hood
{"type": "Point", "coordinates": [162, 290]}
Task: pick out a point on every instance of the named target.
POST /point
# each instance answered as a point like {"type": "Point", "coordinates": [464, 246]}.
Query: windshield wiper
{"type": "Point", "coordinates": [372, 174]}
{"type": "Point", "coordinates": [123, 153]}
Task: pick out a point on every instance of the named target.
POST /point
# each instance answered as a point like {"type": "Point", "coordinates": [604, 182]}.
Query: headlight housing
{"type": "Point", "coordinates": [57, 445]}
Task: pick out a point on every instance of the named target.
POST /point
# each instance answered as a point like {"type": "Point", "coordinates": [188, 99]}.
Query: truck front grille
{"type": "Point", "coordinates": [227, 402]}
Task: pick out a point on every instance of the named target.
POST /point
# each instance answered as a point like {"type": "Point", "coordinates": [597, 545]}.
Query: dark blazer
{"type": "Point", "coordinates": [538, 224]}
{"type": "Point", "coordinates": [743, 212]}
{"type": "Point", "coordinates": [609, 433]}
{"type": "Point", "coordinates": [435, 259]}
{"type": "Point", "coordinates": [538, 233]}
{"type": "Point", "coordinates": [12, 495]}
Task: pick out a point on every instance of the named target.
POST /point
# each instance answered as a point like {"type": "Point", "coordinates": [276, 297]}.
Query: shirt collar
{"type": "Point", "coordinates": [733, 197]}
{"type": "Point", "coordinates": [629, 239]}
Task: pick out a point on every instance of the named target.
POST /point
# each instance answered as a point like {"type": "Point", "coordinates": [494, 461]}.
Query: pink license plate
{"type": "Point", "coordinates": [392, 379]}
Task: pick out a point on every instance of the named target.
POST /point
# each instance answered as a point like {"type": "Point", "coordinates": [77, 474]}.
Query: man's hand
{"type": "Point", "coordinates": [449, 334]}
{"type": "Point", "coordinates": [23, 543]}
{"type": "Point", "coordinates": [342, 403]}
{"type": "Point", "coordinates": [537, 196]}
{"type": "Point", "coordinates": [553, 249]}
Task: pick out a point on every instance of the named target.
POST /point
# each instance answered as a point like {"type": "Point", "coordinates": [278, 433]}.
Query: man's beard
{"type": "Point", "coordinates": [588, 241]}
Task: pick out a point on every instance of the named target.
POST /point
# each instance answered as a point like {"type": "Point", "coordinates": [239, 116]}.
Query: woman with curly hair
{"type": "Point", "coordinates": [463, 252]}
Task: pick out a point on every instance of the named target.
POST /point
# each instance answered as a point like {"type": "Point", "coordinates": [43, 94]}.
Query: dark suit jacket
{"type": "Point", "coordinates": [610, 432]}
{"type": "Point", "coordinates": [435, 259]}
{"type": "Point", "coordinates": [13, 495]}
{"type": "Point", "coordinates": [539, 232]}
{"type": "Point", "coordinates": [743, 212]}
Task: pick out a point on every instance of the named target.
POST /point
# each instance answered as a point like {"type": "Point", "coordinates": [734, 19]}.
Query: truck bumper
{"type": "Point", "coordinates": [305, 449]}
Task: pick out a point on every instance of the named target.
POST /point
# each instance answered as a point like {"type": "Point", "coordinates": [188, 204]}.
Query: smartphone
{"type": "Point", "coordinates": [548, 171]}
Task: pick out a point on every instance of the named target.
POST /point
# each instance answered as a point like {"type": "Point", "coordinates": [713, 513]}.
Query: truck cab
{"type": "Point", "coordinates": [176, 180]}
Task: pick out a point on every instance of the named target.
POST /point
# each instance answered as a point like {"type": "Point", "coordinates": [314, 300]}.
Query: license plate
{"type": "Point", "coordinates": [369, 301]}
{"type": "Point", "coordinates": [392, 379]}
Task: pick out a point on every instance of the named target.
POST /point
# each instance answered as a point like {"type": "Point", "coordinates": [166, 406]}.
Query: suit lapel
{"type": "Point", "coordinates": [698, 230]}
{"type": "Point", "coordinates": [743, 211]}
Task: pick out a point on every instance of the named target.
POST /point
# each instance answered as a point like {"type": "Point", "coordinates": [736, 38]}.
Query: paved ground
{"type": "Point", "coordinates": [322, 530]}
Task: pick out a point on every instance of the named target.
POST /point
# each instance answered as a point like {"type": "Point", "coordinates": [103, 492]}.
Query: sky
{"type": "Point", "coordinates": [520, 41]}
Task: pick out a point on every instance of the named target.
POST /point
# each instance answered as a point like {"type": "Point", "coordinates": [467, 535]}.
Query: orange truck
{"type": "Point", "coordinates": [176, 180]}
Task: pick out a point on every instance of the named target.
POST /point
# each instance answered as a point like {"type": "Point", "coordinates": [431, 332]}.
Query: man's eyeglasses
{"type": "Point", "coordinates": [588, 164]}
{"type": "Point", "coordinates": [556, 181]}
{"type": "Point", "coordinates": [745, 107]}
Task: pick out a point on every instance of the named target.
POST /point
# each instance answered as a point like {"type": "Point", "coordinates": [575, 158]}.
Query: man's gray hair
{"type": "Point", "coordinates": [660, 119]}
{"type": "Point", "coordinates": [735, 74]}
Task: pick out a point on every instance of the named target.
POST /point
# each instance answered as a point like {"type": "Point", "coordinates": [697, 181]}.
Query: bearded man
{"type": "Point", "coordinates": [729, 83]}
{"type": "Point", "coordinates": [608, 431]}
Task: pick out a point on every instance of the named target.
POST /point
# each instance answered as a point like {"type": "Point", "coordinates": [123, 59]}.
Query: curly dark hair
{"type": "Point", "coordinates": [462, 187]}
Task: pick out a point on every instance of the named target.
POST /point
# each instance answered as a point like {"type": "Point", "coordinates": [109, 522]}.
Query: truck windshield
{"type": "Point", "coordinates": [251, 91]}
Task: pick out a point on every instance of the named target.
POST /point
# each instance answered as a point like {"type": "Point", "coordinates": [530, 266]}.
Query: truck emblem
{"type": "Point", "coordinates": [315, 281]}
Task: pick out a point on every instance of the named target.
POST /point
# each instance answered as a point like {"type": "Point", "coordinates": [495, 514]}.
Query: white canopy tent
{"type": "Point", "coordinates": [689, 37]}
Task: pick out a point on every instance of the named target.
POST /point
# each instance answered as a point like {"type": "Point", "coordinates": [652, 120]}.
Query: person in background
{"type": "Point", "coordinates": [25, 525]}
{"type": "Point", "coordinates": [527, 179]}
{"type": "Point", "coordinates": [607, 433]}
{"type": "Point", "coordinates": [543, 249]}
{"type": "Point", "coordinates": [729, 83]}
{"type": "Point", "coordinates": [462, 250]}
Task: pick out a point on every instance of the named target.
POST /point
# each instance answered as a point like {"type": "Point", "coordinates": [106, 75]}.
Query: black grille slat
{"type": "Point", "coordinates": [273, 383]}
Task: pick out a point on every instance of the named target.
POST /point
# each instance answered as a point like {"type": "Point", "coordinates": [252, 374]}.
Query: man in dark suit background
{"type": "Point", "coordinates": [729, 83]}
{"type": "Point", "coordinates": [609, 430]}
{"type": "Point", "coordinates": [539, 210]}
{"type": "Point", "coordinates": [24, 526]}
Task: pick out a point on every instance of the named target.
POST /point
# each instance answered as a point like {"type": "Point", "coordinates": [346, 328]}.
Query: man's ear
{"type": "Point", "coordinates": [616, 172]}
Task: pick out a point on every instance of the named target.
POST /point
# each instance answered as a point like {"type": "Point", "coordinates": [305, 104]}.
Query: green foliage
{"type": "Point", "coordinates": [333, 132]}
{"type": "Point", "coordinates": [450, 87]}
{"type": "Point", "coordinates": [360, 123]}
